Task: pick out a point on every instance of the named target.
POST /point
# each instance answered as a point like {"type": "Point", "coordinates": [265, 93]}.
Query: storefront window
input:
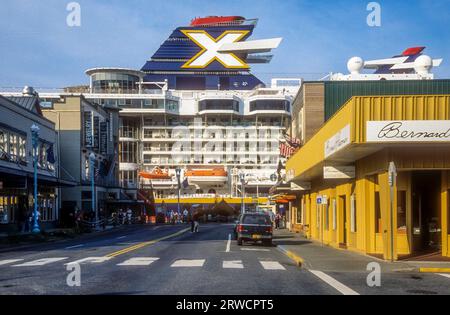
{"type": "Point", "coordinates": [23, 149]}
{"type": "Point", "coordinates": [401, 211]}
{"type": "Point", "coordinates": [47, 209]}
{"type": "Point", "coordinates": [3, 144]}
{"type": "Point", "coordinates": [8, 206]}
{"type": "Point", "coordinates": [13, 147]}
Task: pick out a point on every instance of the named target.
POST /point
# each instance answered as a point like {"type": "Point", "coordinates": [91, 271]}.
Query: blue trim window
{"type": "Point", "coordinates": [13, 147]}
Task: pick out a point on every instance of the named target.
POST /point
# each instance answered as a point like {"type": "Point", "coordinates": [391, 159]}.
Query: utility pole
{"type": "Point", "coordinates": [35, 141]}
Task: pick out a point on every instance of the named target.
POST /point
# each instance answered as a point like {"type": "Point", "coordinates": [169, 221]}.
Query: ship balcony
{"type": "Point", "coordinates": [214, 105]}
{"type": "Point", "coordinates": [268, 105]}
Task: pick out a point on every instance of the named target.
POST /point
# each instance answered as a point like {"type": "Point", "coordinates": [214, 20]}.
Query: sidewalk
{"type": "Point", "coordinates": [315, 256]}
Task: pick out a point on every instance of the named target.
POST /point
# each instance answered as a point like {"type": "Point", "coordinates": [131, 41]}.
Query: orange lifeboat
{"type": "Point", "coordinates": [157, 173]}
{"type": "Point", "coordinates": [217, 172]}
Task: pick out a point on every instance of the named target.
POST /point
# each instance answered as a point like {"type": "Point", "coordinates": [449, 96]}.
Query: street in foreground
{"type": "Point", "coordinates": [169, 260]}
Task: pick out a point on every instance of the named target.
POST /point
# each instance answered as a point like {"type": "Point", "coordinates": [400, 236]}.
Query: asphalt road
{"type": "Point", "coordinates": [167, 260]}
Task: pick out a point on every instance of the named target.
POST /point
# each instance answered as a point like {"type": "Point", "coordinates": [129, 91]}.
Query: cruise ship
{"type": "Point", "coordinates": [196, 126]}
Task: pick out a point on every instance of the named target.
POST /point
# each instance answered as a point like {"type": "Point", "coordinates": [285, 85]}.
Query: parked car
{"type": "Point", "coordinates": [254, 227]}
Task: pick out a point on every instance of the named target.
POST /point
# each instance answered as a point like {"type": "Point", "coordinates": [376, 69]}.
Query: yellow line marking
{"type": "Point", "coordinates": [143, 244]}
{"type": "Point", "coordinates": [434, 270]}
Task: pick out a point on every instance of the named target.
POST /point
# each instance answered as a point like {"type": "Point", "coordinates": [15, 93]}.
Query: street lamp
{"type": "Point", "coordinates": [242, 178]}
{"type": "Point", "coordinates": [178, 173]}
{"type": "Point", "coordinates": [35, 141]}
{"type": "Point", "coordinates": [92, 173]}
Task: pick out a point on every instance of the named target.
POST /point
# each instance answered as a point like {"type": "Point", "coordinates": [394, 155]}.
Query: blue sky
{"type": "Point", "coordinates": [39, 49]}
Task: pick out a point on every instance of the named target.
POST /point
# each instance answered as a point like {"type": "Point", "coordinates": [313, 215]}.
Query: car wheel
{"type": "Point", "coordinates": [240, 242]}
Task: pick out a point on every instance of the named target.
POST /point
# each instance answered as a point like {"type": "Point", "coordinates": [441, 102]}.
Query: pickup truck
{"type": "Point", "coordinates": [254, 228]}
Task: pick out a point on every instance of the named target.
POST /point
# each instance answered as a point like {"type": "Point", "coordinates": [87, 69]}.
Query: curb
{"type": "Point", "coordinates": [297, 259]}
{"type": "Point", "coordinates": [434, 270]}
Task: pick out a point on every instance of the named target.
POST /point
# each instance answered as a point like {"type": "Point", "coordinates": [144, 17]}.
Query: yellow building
{"type": "Point", "coordinates": [378, 162]}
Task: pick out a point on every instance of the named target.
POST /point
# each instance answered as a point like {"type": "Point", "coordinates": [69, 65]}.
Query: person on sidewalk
{"type": "Point", "coordinates": [277, 221]}
{"type": "Point", "coordinates": [129, 215]}
{"type": "Point", "coordinates": [103, 218]}
{"type": "Point", "coordinates": [195, 223]}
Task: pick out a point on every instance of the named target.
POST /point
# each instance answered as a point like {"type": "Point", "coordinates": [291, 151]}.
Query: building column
{"type": "Point", "coordinates": [385, 206]}
{"type": "Point", "coordinates": [445, 208]}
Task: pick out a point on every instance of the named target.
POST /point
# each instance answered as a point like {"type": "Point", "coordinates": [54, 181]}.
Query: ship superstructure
{"type": "Point", "coordinates": [196, 107]}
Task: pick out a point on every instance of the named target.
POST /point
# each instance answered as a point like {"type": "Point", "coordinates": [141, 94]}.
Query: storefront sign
{"type": "Point", "coordinates": [96, 132]}
{"type": "Point", "coordinates": [300, 187]}
{"type": "Point", "coordinates": [339, 172]}
{"type": "Point", "coordinates": [337, 142]}
{"type": "Point", "coordinates": [103, 138]}
{"type": "Point", "coordinates": [408, 131]}
{"type": "Point", "coordinates": [322, 200]}
{"type": "Point", "coordinates": [88, 139]}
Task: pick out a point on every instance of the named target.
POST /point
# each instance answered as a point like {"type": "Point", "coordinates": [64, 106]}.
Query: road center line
{"type": "Point", "coordinates": [121, 237]}
{"type": "Point", "coordinates": [143, 244]}
{"type": "Point", "coordinates": [228, 244]}
{"type": "Point", "coordinates": [343, 289]}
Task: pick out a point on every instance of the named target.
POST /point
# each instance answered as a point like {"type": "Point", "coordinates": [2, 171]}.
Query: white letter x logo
{"type": "Point", "coordinates": [210, 47]}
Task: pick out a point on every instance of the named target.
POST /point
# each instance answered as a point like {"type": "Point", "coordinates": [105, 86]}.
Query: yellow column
{"type": "Point", "coordinates": [444, 212]}
{"type": "Point", "coordinates": [385, 205]}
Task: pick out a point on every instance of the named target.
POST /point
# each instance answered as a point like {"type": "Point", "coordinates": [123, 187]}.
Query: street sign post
{"type": "Point", "coordinates": [392, 180]}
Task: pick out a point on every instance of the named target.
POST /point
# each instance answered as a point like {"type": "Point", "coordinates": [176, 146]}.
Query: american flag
{"type": "Point", "coordinates": [289, 146]}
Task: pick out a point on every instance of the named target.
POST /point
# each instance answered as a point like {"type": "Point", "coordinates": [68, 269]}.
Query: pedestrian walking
{"type": "Point", "coordinates": [277, 221]}
{"type": "Point", "coordinates": [129, 215]}
{"type": "Point", "coordinates": [185, 215]}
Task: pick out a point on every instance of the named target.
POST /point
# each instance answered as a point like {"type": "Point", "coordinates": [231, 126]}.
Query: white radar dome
{"type": "Point", "coordinates": [355, 65]}
{"type": "Point", "coordinates": [423, 64]}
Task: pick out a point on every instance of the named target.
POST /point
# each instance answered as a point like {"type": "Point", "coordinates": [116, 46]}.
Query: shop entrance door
{"type": "Point", "coordinates": [426, 212]}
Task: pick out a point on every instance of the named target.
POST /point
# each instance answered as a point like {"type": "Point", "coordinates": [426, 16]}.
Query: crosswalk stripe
{"type": "Point", "coordinates": [272, 265]}
{"type": "Point", "coordinates": [9, 261]}
{"type": "Point", "coordinates": [342, 288]}
{"type": "Point", "coordinates": [147, 261]}
{"type": "Point", "coordinates": [445, 275]}
{"type": "Point", "coordinates": [90, 260]}
{"type": "Point", "coordinates": [234, 264]}
{"type": "Point", "coordinates": [139, 261]}
{"type": "Point", "coordinates": [40, 262]}
{"type": "Point", "coordinates": [255, 249]}
{"type": "Point", "coordinates": [188, 263]}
